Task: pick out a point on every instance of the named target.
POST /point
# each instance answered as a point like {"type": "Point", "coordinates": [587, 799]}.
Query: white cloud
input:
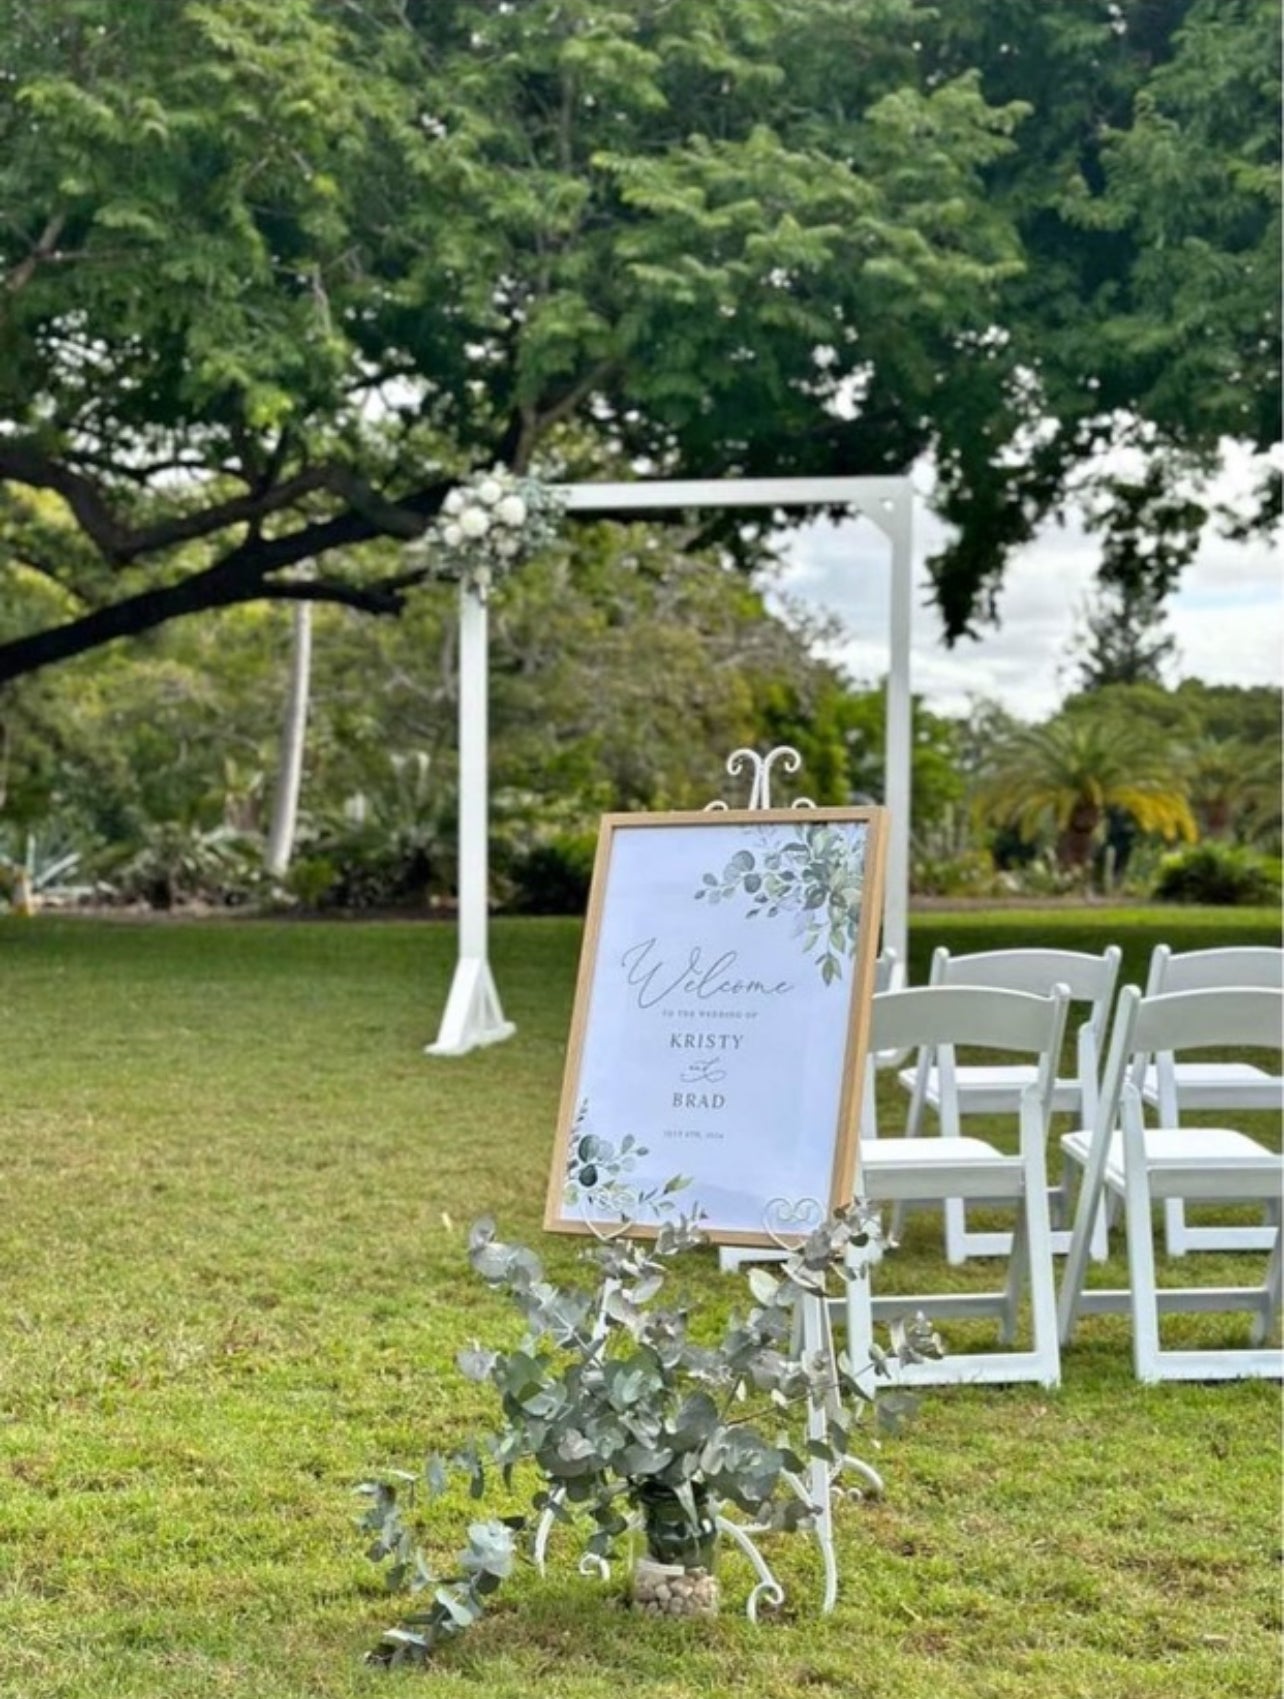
{"type": "Point", "coordinates": [1227, 614]}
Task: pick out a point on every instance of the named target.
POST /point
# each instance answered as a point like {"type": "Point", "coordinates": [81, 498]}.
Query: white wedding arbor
{"type": "Point", "coordinates": [473, 1015]}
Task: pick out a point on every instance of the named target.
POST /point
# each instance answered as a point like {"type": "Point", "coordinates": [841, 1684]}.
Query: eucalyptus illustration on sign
{"type": "Point", "coordinates": [597, 1170]}
{"type": "Point", "coordinates": [817, 878]}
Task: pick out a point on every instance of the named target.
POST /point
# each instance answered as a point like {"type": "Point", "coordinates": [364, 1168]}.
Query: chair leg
{"type": "Point", "coordinates": [1176, 1242]}
{"type": "Point", "coordinates": [1018, 1275]}
{"type": "Point", "coordinates": [1089, 1217]}
{"type": "Point", "coordinates": [913, 1127]}
{"type": "Point", "coordinates": [956, 1248]}
{"type": "Point", "coordinates": [1264, 1321]}
{"type": "Point", "coordinates": [1099, 1248]}
{"type": "Point", "coordinates": [1037, 1225]}
{"type": "Point", "coordinates": [1099, 1245]}
{"type": "Point", "coordinates": [858, 1304]}
{"type": "Point", "coordinates": [1141, 1256]}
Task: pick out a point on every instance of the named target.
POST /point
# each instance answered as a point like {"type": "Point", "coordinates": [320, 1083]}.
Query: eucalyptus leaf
{"type": "Point", "coordinates": [763, 1284]}
{"type": "Point", "coordinates": [476, 1364]}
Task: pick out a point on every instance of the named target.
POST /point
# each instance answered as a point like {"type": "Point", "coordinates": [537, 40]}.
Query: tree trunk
{"type": "Point", "coordinates": [1075, 845]}
{"type": "Point", "coordinates": [1217, 818]}
{"type": "Point", "coordinates": [289, 782]}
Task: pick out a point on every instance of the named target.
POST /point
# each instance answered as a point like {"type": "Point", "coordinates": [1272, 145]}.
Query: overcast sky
{"type": "Point", "coordinates": [1227, 615]}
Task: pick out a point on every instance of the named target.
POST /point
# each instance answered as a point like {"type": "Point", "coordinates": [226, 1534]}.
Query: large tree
{"type": "Point", "coordinates": [275, 272]}
{"type": "Point", "coordinates": [1143, 330]}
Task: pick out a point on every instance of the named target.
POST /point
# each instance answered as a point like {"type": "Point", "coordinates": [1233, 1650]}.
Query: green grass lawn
{"type": "Point", "coordinates": [233, 1284]}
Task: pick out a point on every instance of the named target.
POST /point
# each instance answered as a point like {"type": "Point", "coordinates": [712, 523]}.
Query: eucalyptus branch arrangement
{"type": "Point", "coordinates": [489, 524]}
{"type": "Point", "coordinates": [615, 1407]}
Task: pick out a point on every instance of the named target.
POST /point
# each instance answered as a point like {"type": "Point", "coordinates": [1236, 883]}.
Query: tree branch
{"type": "Point", "coordinates": [534, 423]}
{"type": "Point", "coordinates": [242, 575]}
{"type": "Point", "coordinates": [43, 248]}
{"type": "Point", "coordinates": [385, 597]}
{"type": "Point", "coordinates": [27, 466]}
{"type": "Point", "coordinates": [246, 572]}
{"type": "Point", "coordinates": [221, 585]}
{"type": "Point", "coordinates": [120, 545]}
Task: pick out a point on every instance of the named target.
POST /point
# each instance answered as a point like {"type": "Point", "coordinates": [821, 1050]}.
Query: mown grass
{"type": "Point", "coordinates": [233, 1285]}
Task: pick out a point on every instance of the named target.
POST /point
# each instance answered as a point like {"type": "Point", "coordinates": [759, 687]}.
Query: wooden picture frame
{"type": "Point", "coordinates": [721, 1019]}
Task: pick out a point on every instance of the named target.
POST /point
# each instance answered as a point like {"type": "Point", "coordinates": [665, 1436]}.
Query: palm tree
{"type": "Point", "coordinates": [1063, 776]}
{"type": "Point", "coordinates": [1234, 787]}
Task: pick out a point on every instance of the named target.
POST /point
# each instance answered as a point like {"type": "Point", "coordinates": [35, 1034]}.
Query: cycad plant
{"type": "Point", "coordinates": [1062, 777]}
{"type": "Point", "coordinates": [1234, 787]}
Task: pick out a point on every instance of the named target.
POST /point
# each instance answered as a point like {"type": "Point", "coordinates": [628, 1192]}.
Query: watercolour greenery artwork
{"type": "Point", "coordinates": [817, 878]}
{"type": "Point", "coordinates": [597, 1171]}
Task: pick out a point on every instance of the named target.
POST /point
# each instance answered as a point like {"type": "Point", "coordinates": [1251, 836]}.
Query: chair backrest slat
{"type": "Point", "coordinates": [1087, 978]}
{"type": "Point", "coordinates": [1207, 970]}
{"type": "Point", "coordinates": [1196, 1020]}
{"type": "Point", "coordinates": [967, 1014]}
{"type": "Point", "coordinates": [887, 971]}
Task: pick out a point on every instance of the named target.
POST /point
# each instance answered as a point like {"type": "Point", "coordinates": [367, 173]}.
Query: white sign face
{"type": "Point", "coordinates": [720, 1019]}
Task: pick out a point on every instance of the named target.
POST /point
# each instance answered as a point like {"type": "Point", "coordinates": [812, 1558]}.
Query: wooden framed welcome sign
{"type": "Point", "coordinates": [721, 1019]}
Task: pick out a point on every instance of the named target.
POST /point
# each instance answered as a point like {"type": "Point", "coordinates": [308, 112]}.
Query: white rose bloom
{"type": "Point", "coordinates": [454, 502]}
{"type": "Point", "coordinates": [506, 547]}
{"type": "Point", "coordinates": [490, 490]}
{"type": "Point", "coordinates": [481, 579]}
{"type": "Point", "coordinates": [452, 536]}
{"type": "Point", "coordinates": [473, 522]}
{"type": "Point", "coordinates": [512, 510]}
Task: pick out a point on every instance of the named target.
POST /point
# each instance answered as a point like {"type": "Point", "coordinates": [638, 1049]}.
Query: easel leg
{"type": "Point", "coordinates": [818, 1340]}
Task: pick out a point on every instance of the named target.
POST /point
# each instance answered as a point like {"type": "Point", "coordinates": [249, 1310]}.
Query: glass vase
{"type": "Point", "coordinates": [674, 1574]}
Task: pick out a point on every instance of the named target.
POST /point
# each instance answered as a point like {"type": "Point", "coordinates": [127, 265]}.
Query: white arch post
{"type": "Point", "coordinates": [473, 1015]}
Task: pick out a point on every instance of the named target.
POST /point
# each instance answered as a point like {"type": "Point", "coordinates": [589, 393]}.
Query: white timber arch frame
{"type": "Point", "coordinates": [473, 1015]}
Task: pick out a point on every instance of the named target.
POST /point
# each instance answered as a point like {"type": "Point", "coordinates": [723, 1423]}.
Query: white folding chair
{"type": "Point", "coordinates": [938, 1083]}
{"type": "Point", "coordinates": [1141, 1165]}
{"type": "Point", "coordinates": [888, 976]}
{"type": "Point", "coordinates": [929, 1170]}
{"type": "Point", "coordinates": [1170, 1088]}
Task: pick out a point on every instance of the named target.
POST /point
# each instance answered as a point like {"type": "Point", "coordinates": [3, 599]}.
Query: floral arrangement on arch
{"type": "Point", "coordinates": [491, 522]}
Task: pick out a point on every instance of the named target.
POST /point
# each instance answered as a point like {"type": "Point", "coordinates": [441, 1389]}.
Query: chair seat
{"type": "Point", "coordinates": [985, 1089]}
{"type": "Point", "coordinates": [1217, 1085]}
{"type": "Point", "coordinates": [930, 1151]}
{"type": "Point", "coordinates": [933, 1167]}
{"type": "Point", "coordinates": [1218, 1159]}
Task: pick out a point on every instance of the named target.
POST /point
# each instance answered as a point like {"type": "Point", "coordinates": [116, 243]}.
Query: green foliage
{"type": "Point", "coordinates": [284, 270]}
{"type": "Point", "coordinates": [1124, 640]}
{"type": "Point", "coordinates": [1223, 741]}
{"type": "Point", "coordinates": [968, 874]}
{"type": "Point", "coordinates": [616, 1404]}
{"type": "Point", "coordinates": [385, 847]}
{"type": "Point", "coordinates": [184, 730]}
{"type": "Point", "coordinates": [840, 730]}
{"type": "Point", "coordinates": [1219, 873]}
{"type": "Point", "coordinates": [553, 877]}
{"type": "Point", "coordinates": [1146, 192]}
{"type": "Point", "coordinates": [32, 867]}
{"type": "Point", "coordinates": [173, 863]}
